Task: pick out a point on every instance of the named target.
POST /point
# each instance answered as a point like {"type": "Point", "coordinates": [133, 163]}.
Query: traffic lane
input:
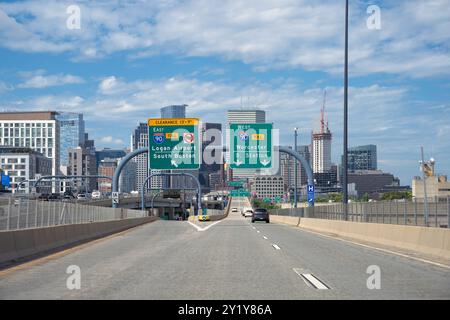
{"type": "Point", "coordinates": [229, 261]}
{"type": "Point", "coordinates": [344, 266]}
{"type": "Point", "coordinates": [99, 263]}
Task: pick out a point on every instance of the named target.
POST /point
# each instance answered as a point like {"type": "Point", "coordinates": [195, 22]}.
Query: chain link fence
{"type": "Point", "coordinates": [389, 212]}
{"type": "Point", "coordinates": [22, 213]}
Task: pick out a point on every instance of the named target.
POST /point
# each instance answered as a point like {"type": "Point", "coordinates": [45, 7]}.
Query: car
{"type": "Point", "coordinates": [248, 213]}
{"type": "Point", "coordinates": [81, 196]}
{"type": "Point", "coordinates": [261, 214]}
{"type": "Point", "coordinates": [234, 210]}
{"type": "Point", "coordinates": [96, 195]}
{"type": "Point", "coordinates": [203, 218]}
{"type": "Point", "coordinates": [54, 197]}
{"type": "Point", "coordinates": [43, 197]}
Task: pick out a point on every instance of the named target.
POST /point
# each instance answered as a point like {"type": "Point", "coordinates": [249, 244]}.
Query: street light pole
{"type": "Point", "coordinates": [345, 157]}
{"type": "Point", "coordinates": [295, 168]}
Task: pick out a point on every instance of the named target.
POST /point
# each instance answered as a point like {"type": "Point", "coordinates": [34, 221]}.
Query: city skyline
{"type": "Point", "coordinates": [117, 79]}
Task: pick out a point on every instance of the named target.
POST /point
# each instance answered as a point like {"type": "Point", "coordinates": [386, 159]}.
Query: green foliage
{"type": "Point", "coordinates": [259, 203]}
{"type": "Point", "coordinates": [397, 195]}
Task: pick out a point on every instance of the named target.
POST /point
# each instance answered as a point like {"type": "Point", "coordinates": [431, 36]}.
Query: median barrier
{"type": "Point", "coordinates": [428, 241]}
{"type": "Point", "coordinates": [17, 245]}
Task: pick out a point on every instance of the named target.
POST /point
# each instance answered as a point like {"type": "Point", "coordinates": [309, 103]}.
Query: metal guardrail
{"type": "Point", "coordinates": [22, 213]}
{"type": "Point", "coordinates": [388, 212]}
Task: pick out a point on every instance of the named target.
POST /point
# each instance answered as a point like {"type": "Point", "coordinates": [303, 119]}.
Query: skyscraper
{"type": "Point", "coordinates": [72, 129]}
{"type": "Point", "coordinates": [362, 158]}
{"type": "Point", "coordinates": [287, 167]}
{"type": "Point", "coordinates": [206, 170]}
{"type": "Point", "coordinates": [174, 111]}
{"type": "Point", "coordinates": [321, 145]}
{"type": "Point", "coordinates": [245, 116]}
{"type": "Point", "coordinates": [139, 139]}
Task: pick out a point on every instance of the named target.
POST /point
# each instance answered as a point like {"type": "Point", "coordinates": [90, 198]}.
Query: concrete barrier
{"type": "Point", "coordinates": [433, 242]}
{"type": "Point", "coordinates": [24, 244]}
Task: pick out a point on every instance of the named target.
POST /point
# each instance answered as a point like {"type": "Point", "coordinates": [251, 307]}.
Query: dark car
{"type": "Point", "coordinates": [54, 197]}
{"type": "Point", "coordinates": [44, 197]}
{"type": "Point", "coordinates": [260, 215]}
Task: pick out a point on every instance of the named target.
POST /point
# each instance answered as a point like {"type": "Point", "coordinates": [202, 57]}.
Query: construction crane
{"type": "Point", "coordinates": [322, 114]}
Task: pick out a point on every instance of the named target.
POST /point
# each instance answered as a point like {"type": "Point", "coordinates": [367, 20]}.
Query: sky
{"type": "Point", "coordinates": [121, 61]}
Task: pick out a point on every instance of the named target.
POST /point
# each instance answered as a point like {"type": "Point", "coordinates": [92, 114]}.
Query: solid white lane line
{"type": "Point", "coordinates": [265, 238]}
{"type": "Point", "coordinates": [254, 228]}
{"type": "Point", "coordinates": [276, 247]}
{"type": "Point", "coordinates": [203, 229]}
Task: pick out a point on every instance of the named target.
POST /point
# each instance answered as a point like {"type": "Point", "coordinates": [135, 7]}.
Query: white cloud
{"type": "Point", "coordinates": [413, 39]}
{"type": "Point", "coordinates": [382, 115]}
{"type": "Point", "coordinates": [38, 79]}
{"type": "Point", "coordinates": [111, 140]}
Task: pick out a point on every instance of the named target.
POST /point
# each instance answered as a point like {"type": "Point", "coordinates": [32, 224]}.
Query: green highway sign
{"type": "Point", "coordinates": [174, 144]}
{"type": "Point", "coordinates": [250, 145]}
{"type": "Point", "coordinates": [235, 183]}
{"type": "Point", "coordinates": [240, 193]}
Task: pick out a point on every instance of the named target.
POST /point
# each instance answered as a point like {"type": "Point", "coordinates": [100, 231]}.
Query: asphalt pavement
{"type": "Point", "coordinates": [230, 259]}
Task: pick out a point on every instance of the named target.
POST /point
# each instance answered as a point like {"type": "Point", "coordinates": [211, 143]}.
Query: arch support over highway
{"type": "Point", "coordinates": [199, 188]}
{"type": "Point", "coordinates": [122, 164]}
{"type": "Point", "coordinates": [303, 162]}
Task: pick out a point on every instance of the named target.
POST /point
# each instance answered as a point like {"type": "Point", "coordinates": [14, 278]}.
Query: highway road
{"type": "Point", "coordinates": [230, 259]}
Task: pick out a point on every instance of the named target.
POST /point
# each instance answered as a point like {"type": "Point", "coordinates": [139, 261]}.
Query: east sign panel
{"type": "Point", "coordinates": [250, 145]}
{"type": "Point", "coordinates": [174, 144]}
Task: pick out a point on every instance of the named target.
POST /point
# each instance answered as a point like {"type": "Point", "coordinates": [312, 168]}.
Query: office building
{"type": "Point", "coordinates": [107, 153]}
{"type": "Point", "coordinates": [106, 167]}
{"type": "Point", "coordinates": [371, 181]}
{"type": "Point", "coordinates": [245, 116]}
{"type": "Point", "coordinates": [267, 186]}
{"type": "Point", "coordinates": [139, 139]}
{"type": "Point", "coordinates": [438, 187]}
{"type": "Point", "coordinates": [174, 111]}
{"type": "Point", "coordinates": [72, 134]}
{"type": "Point", "coordinates": [287, 168]}
{"type": "Point", "coordinates": [127, 180]}
{"type": "Point", "coordinates": [36, 130]}
{"type": "Point", "coordinates": [82, 162]}
{"type": "Point", "coordinates": [211, 136]}
{"type": "Point", "coordinates": [362, 158]}
{"type": "Point", "coordinates": [24, 164]}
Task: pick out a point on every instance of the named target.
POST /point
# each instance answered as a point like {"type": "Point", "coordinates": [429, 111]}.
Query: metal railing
{"type": "Point", "coordinates": [22, 213]}
{"type": "Point", "coordinates": [388, 212]}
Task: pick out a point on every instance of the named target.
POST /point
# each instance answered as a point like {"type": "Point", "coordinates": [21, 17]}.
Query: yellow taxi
{"type": "Point", "coordinates": [203, 218]}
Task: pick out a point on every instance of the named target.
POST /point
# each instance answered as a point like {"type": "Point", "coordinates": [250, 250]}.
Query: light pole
{"type": "Point", "coordinates": [295, 167]}
{"type": "Point", "coordinates": [425, 195]}
{"type": "Point", "coordinates": [345, 157]}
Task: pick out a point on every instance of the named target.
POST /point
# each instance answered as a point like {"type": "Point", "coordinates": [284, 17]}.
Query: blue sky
{"type": "Point", "coordinates": [129, 58]}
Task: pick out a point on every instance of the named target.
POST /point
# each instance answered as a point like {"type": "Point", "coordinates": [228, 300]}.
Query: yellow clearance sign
{"type": "Point", "coordinates": [173, 122]}
{"type": "Point", "coordinates": [258, 136]}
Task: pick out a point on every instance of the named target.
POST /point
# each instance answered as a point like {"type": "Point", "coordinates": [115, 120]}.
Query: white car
{"type": "Point", "coordinates": [81, 196]}
{"type": "Point", "coordinates": [96, 195]}
{"type": "Point", "coordinates": [234, 209]}
{"type": "Point", "coordinates": [248, 213]}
